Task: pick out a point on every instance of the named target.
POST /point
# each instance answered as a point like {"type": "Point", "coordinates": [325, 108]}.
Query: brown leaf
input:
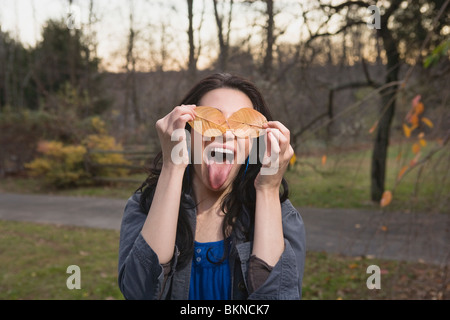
{"type": "Point", "coordinates": [293, 159]}
{"type": "Point", "coordinates": [402, 172]}
{"type": "Point", "coordinates": [414, 120]}
{"type": "Point", "coordinates": [372, 129]}
{"type": "Point", "coordinates": [423, 142]}
{"type": "Point", "coordinates": [414, 161]}
{"type": "Point", "coordinates": [209, 122]}
{"type": "Point", "coordinates": [416, 100]}
{"type": "Point", "coordinates": [419, 108]}
{"type": "Point", "coordinates": [428, 122]}
{"type": "Point", "coordinates": [246, 122]}
{"type": "Point", "coordinates": [386, 198]}
{"type": "Point", "coordinates": [406, 130]}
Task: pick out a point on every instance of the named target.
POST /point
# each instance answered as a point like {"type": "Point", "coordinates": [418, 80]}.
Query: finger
{"type": "Point", "coordinates": [278, 125]}
{"type": "Point", "coordinates": [282, 140]}
{"type": "Point", "coordinates": [186, 117]}
{"type": "Point", "coordinates": [290, 152]}
{"type": "Point", "coordinates": [189, 107]}
{"type": "Point", "coordinates": [183, 109]}
{"type": "Point", "coordinates": [273, 147]}
{"type": "Point", "coordinates": [272, 154]}
{"type": "Point", "coordinates": [181, 121]}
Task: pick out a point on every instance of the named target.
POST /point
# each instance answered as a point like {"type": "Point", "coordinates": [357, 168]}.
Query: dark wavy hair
{"type": "Point", "coordinates": [239, 204]}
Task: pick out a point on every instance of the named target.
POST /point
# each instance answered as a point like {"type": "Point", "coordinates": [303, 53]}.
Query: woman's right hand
{"type": "Point", "coordinates": [175, 153]}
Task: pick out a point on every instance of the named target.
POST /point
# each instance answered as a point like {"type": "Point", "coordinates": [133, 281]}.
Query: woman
{"type": "Point", "coordinates": [213, 230]}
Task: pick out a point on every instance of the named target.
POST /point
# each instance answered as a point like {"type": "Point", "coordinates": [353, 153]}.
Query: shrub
{"type": "Point", "coordinates": [74, 165]}
{"type": "Point", "coordinates": [101, 162]}
{"type": "Point", "coordinates": [59, 165]}
{"type": "Point", "coordinates": [20, 132]}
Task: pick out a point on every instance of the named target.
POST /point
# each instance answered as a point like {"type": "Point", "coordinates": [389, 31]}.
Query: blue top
{"type": "Point", "coordinates": [210, 280]}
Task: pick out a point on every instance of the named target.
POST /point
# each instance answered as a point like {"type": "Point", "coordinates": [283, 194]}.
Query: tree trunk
{"type": "Point", "coordinates": [223, 42]}
{"type": "Point", "coordinates": [130, 87]}
{"type": "Point", "coordinates": [381, 143]}
{"type": "Point", "coordinates": [192, 63]}
{"type": "Point", "coordinates": [268, 58]}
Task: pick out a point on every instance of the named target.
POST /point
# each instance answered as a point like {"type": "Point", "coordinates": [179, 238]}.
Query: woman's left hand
{"type": "Point", "coordinates": [276, 157]}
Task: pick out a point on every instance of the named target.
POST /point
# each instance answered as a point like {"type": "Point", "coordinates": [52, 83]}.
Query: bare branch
{"type": "Point", "coordinates": [343, 28]}
{"type": "Point", "coordinates": [339, 7]}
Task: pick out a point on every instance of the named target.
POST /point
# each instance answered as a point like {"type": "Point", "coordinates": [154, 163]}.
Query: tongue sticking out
{"type": "Point", "coordinates": [218, 174]}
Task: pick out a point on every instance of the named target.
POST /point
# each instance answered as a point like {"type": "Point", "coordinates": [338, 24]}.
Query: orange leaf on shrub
{"type": "Point", "coordinates": [414, 119]}
{"type": "Point", "coordinates": [324, 159]}
{"type": "Point", "coordinates": [419, 108]}
{"type": "Point", "coordinates": [423, 142]}
{"type": "Point", "coordinates": [406, 130]}
{"type": "Point", "coordinates": [416, 100]}
{"type": "Point", "coordinates": [386, 198]}
{"type": "Point", "coordinates": [373, 127]}
{"type": "Point", "coordinates": [293, 159]}
{"type": "Point", "coordinates": [414, 161]}
{"type": "Point", "coordinates": [416, 148]}
{"type": "Point", "coordinates": [402, 172]}
{"type": "Point", "coordinates": [428, 122]}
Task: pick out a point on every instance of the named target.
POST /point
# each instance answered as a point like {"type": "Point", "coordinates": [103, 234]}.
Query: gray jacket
{"type": "Point", "coordinates": [141, 276]}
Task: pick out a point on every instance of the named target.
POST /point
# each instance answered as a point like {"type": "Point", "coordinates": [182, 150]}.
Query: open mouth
{"type": "Point", "coordinates": [220, 155]}
{"type": "Point", "coordinates": [219, 161]}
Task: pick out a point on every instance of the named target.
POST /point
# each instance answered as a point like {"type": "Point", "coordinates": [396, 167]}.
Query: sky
{"type": "Point", "coordinates": [24, 20]}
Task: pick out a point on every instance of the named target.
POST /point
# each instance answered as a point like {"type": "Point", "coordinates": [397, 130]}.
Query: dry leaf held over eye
{"type": "Point", "coordinates": [211, 122]}
{"type": "Point", "coordinates": [246, 122]}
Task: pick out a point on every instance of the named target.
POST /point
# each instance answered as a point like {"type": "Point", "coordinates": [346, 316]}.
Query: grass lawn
{"type": "Point", "coordinates": [35, 257]}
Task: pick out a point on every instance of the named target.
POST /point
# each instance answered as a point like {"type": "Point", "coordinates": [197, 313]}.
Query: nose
{"type": "Point", "coordinates": [228, 136]}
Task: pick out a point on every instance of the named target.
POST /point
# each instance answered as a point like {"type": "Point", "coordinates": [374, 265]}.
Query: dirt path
{"type": "Point", "coordinates": [413, 237]}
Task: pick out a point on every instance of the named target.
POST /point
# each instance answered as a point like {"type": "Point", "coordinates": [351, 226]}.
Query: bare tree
{"type": "Point", "coordinates": [270, 40]}
{"type": "Point", "coordinates": [130, 67]}
{"type": "Point", "coordinates": [224, 38]}
{"type": "Point", "coordinates": [194, 49]}
{"type": "Point", "coordinates": [192, 62]}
